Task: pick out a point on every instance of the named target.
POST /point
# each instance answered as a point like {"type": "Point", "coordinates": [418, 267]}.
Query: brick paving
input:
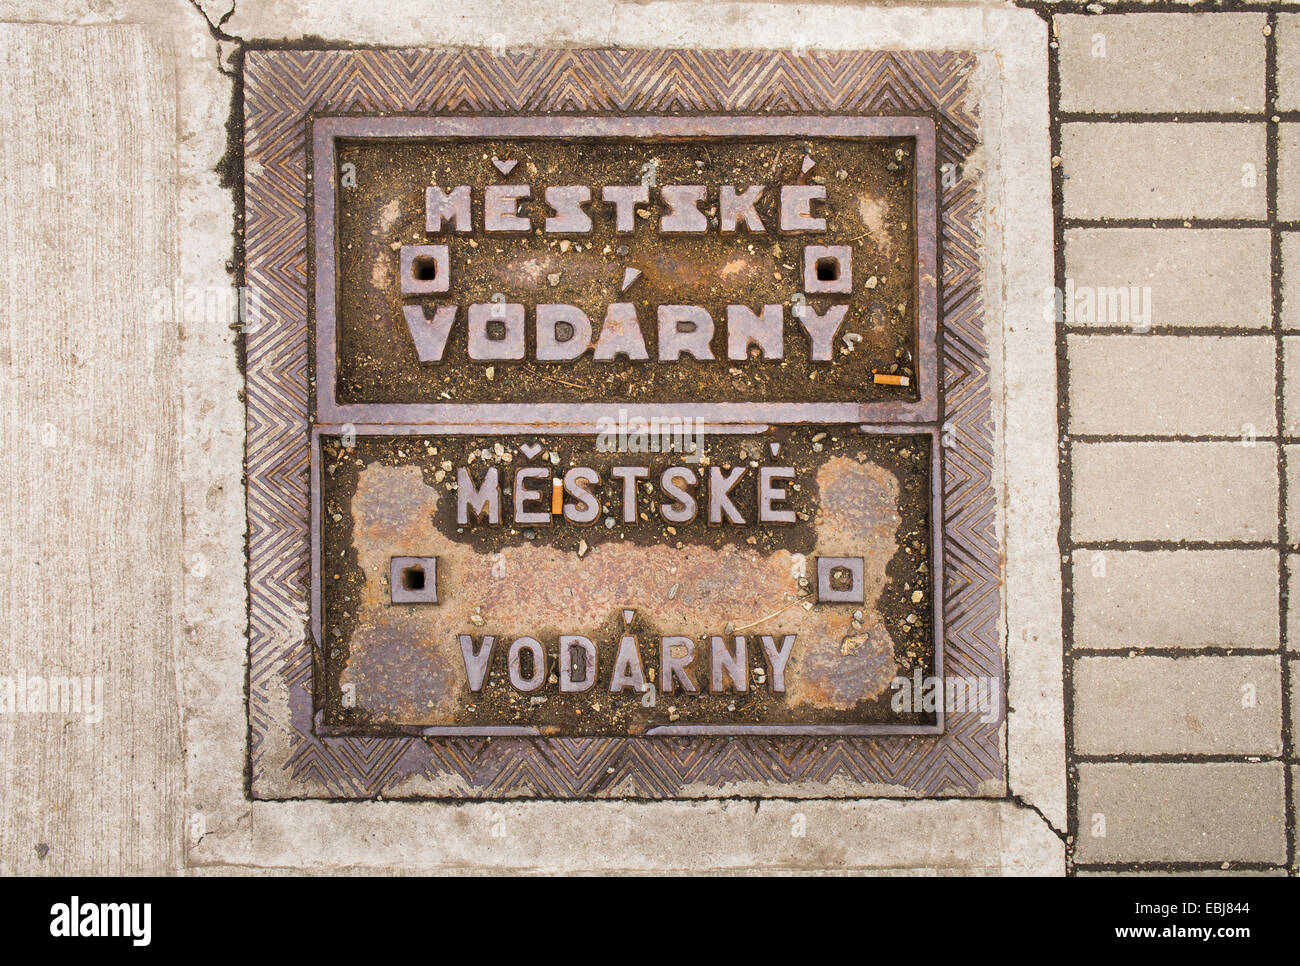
{"type": "Point", "coordinates": [1178, 182]}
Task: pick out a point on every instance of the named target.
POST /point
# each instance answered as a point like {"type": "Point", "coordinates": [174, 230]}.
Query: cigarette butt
{"type": "Point", "coordinates": [557, 496]}
{"type": "Point", "coordinates": [885, 379]}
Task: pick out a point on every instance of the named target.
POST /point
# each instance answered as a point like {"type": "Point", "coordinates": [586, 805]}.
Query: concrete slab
{"type": "Point", "coordinates": [1293, 613]}
{"type": "Point", "coordinates": [1167, 385]}
{"type": "Point", "coordinates": [93, 551]}
{"type": "Point", "coordinates": [1175, 598]}
{"type": "Point", "coordinates": [1171, 706]}
{"type": "Point", "coordinates": [1164, 170]}
{"type": "Point", "coordinates": [1019, 124]}
{"type": "Point", "coordinates": [1291, 280]}
{"type": "Point", "coordinates": [1185, 277]}
{"type": "Point", "coordinates": [1288, 61]}
{"type": "Point", "coordinates": [1174, 491]}
{"type": "Point", "coordinates": [1288, 171]}
{"type": "Point", "coordinates": [1154, 63]}
{"type": "Point", "coordinates": [1181, 812]}
{"type": "Point", "coordinates": [876, 837]}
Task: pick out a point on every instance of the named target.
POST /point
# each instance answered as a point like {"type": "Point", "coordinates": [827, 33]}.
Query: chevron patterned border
{"type": "Point", "coordinates": [282, 90]}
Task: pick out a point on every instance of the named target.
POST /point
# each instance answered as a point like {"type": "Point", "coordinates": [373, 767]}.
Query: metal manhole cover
{"type": "Point", "coordinates": [564, 585]}
{"type": "Point", "coordinates": [606, 443]}
{"type": "Point", "coordinates": [559, 261]}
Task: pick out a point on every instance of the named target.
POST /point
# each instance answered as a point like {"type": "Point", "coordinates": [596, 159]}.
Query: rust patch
{"type": "Point", "coordinates": [382, 207]}
{"type": "Point", "coordinates": [859, 496]}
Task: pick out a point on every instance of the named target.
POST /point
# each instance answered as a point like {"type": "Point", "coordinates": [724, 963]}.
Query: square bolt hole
{"type": "Point", "coordinates": [828, 269]}
{"type": "Point", "coordinates": [425, 269]}
{"type": "Point", "coordinates": [413, 580]}
{"type": "Point", "coordinates": [839, 580]}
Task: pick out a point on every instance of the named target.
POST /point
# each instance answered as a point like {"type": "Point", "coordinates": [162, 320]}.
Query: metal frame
{"type": "Point", "coordinates": [284, 91]}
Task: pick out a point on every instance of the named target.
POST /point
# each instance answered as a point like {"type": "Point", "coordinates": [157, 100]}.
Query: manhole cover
{"type": "Point", "coordinates": [608, 443]}
{"type": "Point", "coordinates": [560, 584]}
{"type": "Point", "coordinates": [561, 261]}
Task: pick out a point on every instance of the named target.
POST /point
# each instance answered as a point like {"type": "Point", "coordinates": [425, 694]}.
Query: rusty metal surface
{"type": "Point", "coordinates": [822, 659]}
{"type": "Point", "coordinates": [367, 372]}
{"type": "Point", "coordinates": [289, 756]}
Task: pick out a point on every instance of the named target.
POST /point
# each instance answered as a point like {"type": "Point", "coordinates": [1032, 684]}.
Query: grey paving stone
{"type": "Point", "coordinates": [1181, 812]}
{"type": "Point", "coordinates": [1174, 491]}
{"type": "Point", "coordinates": [1291, 279]}
{"type": "Point", "coordinates": [1162, 62]}
{"type": "Point", "coordinates": [1173, 385]}
{"type": "Point", "coordinates": [1291, 385]}
{"type": "Point", "coordinates": [1295, 791]}
{"type": "Point", "coordinates": [1288, 61]}
{"type": "Point", "coordinates": [1175, 598]}
{"type": "Point", "coordinates": [1186, 705]}
{"type": "Point", "coordinates": [1293, 601]}
{"type": "Point", "coordinates": [1293, 691]}
{"type": "Point", "coordinates": [1217, 872]}
{"type": "Point", "coordinates": [1164, 170]}
{"type": "Point", "coordinates": [1195, 277]}
{"type": "Point", "coordinates": [1292, 453]}
{"type": "Point", "coordinates": [1288, 172]}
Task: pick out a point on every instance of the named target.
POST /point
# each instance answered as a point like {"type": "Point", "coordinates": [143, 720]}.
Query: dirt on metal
{"type": "Point", "coordinates": [869, 205]}
{"type": "Point", "coordinates": [858, 495]}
